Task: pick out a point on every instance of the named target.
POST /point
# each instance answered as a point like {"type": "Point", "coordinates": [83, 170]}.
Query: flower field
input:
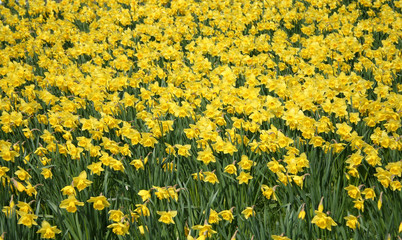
{"type": "Point", "coordinates": [190, 119]}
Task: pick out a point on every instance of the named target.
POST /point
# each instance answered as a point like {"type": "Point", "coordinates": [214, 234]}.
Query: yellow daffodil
{"type": "Point", "coordinates": [248, 212]}
{"type": "Point", "coordinates": [68, 190]}
{"type": "Point", "coordinates": [204, 230]}
{"type": "Point", "coordinates": [227, 215]}
{"type": "Point", "coordinates": [144, 194]}
{"type": "Point", "coordinates": [96, 168]}
{"type": "Point", "coordinates": [47, 231]}
{"type": "Point", "coordinates": [323, 221]}
{"type": "Point", "coordinates": [142, 209]}
{"type": "Point", "coordinates": [210, 177]}
{"type": "Point", "coordinates": [277, 237]}
{"type": "Point", "coordinates": [22, 174]}
{"type": "Point", "coordinates": [70, 204]}
{"type": "Point", "coordinates": [231, 169]}
{"type": "Point", "coordinates": [81, 182]}
{"type": "Point", "coordinates": [120, 228]}
{"type": "Point", "coordinates": [27, 219]}
{"type": "Point", "coordinates": [206, 156]}
{"type": "Point", "coordinates": [352, 222]}
{"type": "Point", "coordinates": [47, 173]}
{"type": "Point", "coordinates": [268, 192]}
{"type": "Point", "coordinates": [115, 215]}
{"type": "Point", "coordinates": [353, 191]}
{"type": "Point", "coordinates": [99, 202]}
{"type": "Point", "coordinates": [167, 217]}
{"type": "Point", "coordinates": [369, 193]}
{"type": "Point", "coordinates": [244, 177]}
{"type": "Point", "coordinates": [302, 213]}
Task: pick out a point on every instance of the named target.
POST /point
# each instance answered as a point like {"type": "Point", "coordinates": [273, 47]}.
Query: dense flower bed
{"type": "Point", "coordinates": [186, 119]}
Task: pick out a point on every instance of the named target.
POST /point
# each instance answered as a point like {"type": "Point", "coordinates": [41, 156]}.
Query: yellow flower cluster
{"type": "Point", "coordinates": [196, 105]}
